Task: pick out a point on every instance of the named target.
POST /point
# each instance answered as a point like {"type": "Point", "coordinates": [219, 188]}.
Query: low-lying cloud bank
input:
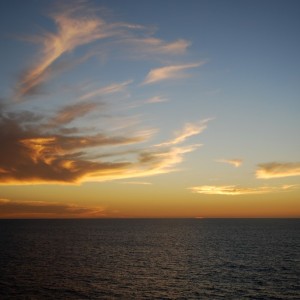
{"type": "Point", "coordinates": [40, 209]}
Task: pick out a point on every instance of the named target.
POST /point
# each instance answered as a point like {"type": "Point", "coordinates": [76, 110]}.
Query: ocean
{"type": "Point", "coordinates": [150, 259]}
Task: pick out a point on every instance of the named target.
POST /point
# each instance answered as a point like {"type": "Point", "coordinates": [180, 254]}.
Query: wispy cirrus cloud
{"type": "Point", "coordinates": [40, 209]}
{"type": "Point", "coordinates": [170, 72]}
{"type": "Point", "coordinates": [163, 160]}
{"type": "Point", "coordinates": [71, 33]}
{"type": "Point", "coordinates": [137, 182]}
{"type": "Point", "coordinates": [158, 46]}
{"type": "Point", "coordinates": [156, 99]}
{"type": "Point", "coordinates": [78, 25]}
{"type": "Point", "coordinates": [277, 170]}
{"type": "Point", "coordinates": [189, 130]}
{"type": "Point", "coordinates": [71, 112]}
{"type": "Point", "coordinates": [109, 89]}
{"type": "Point", "coordinates": [234, 190]}
{"type": "Point", "coordinates": [152, 100]}
{"type": "Point", "coordinates": [150, 162]}
{"type": "Point", "coordinates": [235, 161]}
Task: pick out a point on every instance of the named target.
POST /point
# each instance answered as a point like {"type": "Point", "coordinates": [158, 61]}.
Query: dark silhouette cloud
{"type": "Point", "coordinates": [27, 154]}
{"type": "Point", "coordinates": [40, 209]}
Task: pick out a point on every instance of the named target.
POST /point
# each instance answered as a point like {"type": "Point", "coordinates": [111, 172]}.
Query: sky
{"type": "Point", "coordinates": [149, 109]}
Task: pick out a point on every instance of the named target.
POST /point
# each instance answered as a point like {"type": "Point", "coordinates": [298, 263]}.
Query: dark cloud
{"type": "Point", "coordinates": [29, 155]}
{"type": "Point", "coordinates": [23, 209]}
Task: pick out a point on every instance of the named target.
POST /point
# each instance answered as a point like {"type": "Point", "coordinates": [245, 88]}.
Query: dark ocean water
{"type": "Point", "coordinates": [150, 259]}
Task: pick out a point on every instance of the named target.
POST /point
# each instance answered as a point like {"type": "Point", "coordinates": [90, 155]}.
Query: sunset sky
{"type": "Point", "coordinates": [149, 108]}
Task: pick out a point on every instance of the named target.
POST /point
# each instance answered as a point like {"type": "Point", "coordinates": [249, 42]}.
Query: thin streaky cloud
{"type": "Point", "coordinates": [71, 112]}
{"type": "Point", "coordinates": [152, 100]}
{"type": "Point", "coordinates": [150, 163]}
{"type": "Point", "coordinates": [170, 72]}
{"type": "Point", "coordinates": [109, 89]}
{"type": "Point", "coordinates": [156, 99]}
{"type": "Point", "coordinates": [234, 190]}
{"type": "Point", "coordinates": [155, 45]}
{"type": "Point", "coordinates": [290, 186]}
{"type": "Point", "coordinates": [71, 33]}
{"type": "Point", "coordinates": [277, 170]}
{"type": "Point", "coordinates": [189, 130]}
{"type": "Point", "coordinates": [137, 182]}
{"type": "Point", "coordinates": [235, 161]}
{"type": "Point", "coordinates": [76, 26]}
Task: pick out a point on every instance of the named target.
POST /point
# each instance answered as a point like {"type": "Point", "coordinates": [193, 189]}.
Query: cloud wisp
{"type": "Point", "coordinates": [157, 46]}
{"type": "Point", "coordinates": [77, 26]}
{"type": "Point", "coordinates": [277, 170]}
{"type": "Point", "coordinates": [170, 72]}
{"type": "Point", "coordinates": [156, 99]}
{"type": "Point", "coordinates": [137, 182]}
{"type": "Point", "coordinates": [189, 130]}
{"type": "Point", "coordinates": [110, 89]}
{"type": "Point", "coordinates": [236, 162]}
{"type": "Point", "coordinates": [74, 28]}
{"type": "Point", "coordinates": [40, 209]}
{"type": "Point", "coordinates": [234, 190]}
{"type": "Point", "coordinates": [71, 112]}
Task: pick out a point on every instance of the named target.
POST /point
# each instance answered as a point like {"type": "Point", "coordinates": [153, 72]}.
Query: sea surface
{"type": "Point", "coordinates": [150, 259]}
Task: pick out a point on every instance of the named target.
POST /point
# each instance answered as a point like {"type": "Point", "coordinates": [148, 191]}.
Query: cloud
{"type": "Point", "coordinates": [170, 72]}
{"type": "Point", "coordinates": [150, 163]}
{"type": "Point", "coordinates": [277, 170]}
{"type": "Point", "coordinates": [40, 147]}
{"type": "Point", "coordinates": [234, 190]}
{"type": "Point", "coordinates": [137, 182]}
{"type": "Point", "coordinates": [27, 154]}
{"type": "Point", "coordinates": [177, 47]}
{"type": "Point", "coordinates": [110, 89]}
{"type": "Point", "coordinates": [189, 130]}
{"type": "Point", "coordinates": [152, 100]}
{"type": "Point", "coordinates": [235, 161]}
{"type": "Point", "coordinates": [155, 45]}
{"type": "Point", "coordinates": [30, 155]}
{"type": "Point", "coordinates": [76, 26]}
{"type": "Point", "coordinates": [71, 112]}
{"type": "Point", "coordinates": [39, 209]}
{"type": "Point", "coordinates": [164, 159]}
{"type": "Point", "coordinates": [289, 186]}
{"type": "Point", "coordinates": [156, 99]}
